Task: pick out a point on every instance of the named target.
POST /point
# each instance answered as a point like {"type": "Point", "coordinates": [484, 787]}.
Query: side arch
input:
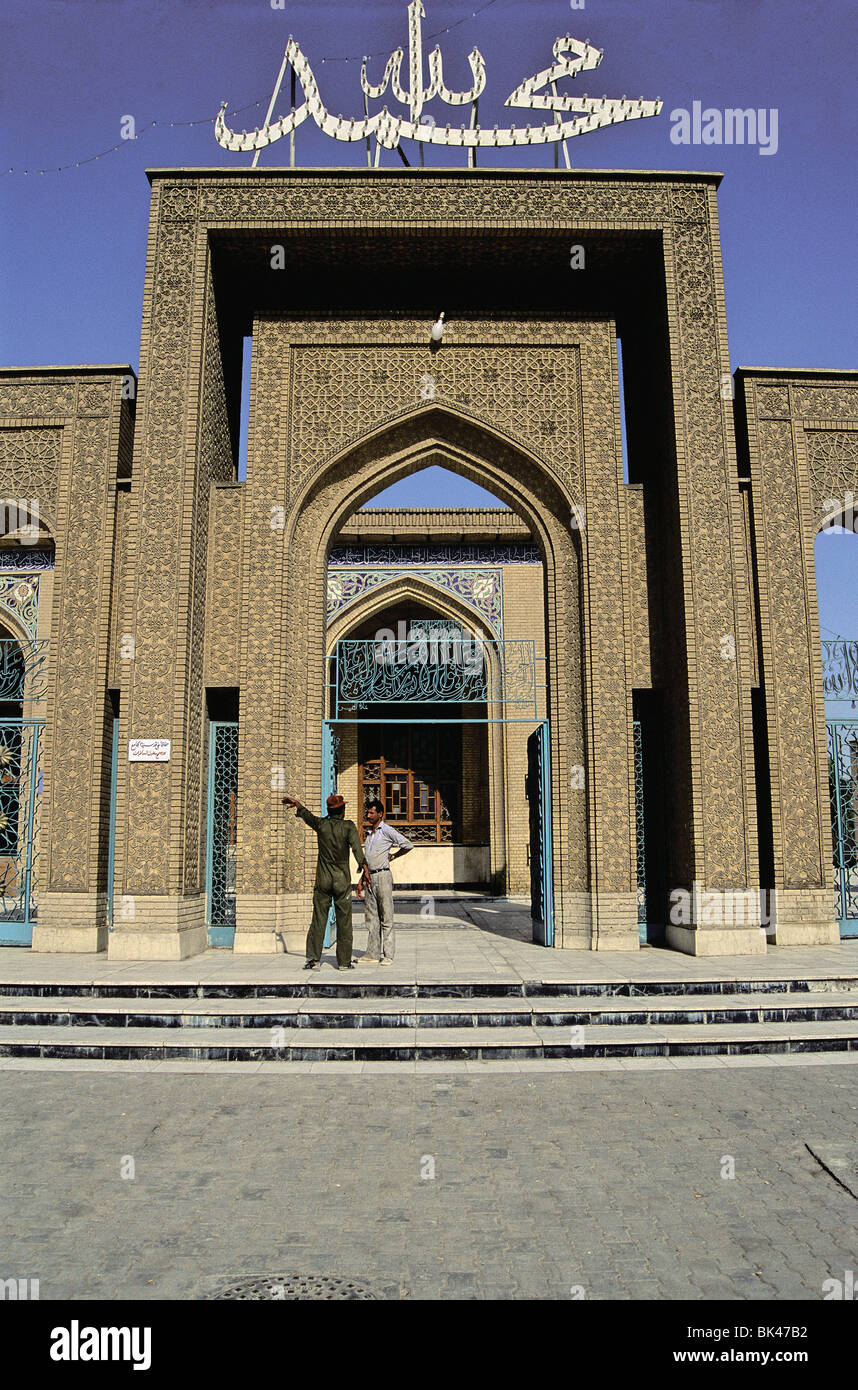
{"type": "Point", "coordinates": [404, 586]}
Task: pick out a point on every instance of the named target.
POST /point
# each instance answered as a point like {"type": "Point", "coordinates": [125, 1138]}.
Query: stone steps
{"type": "Point", "coordinates": [442, 1021]}
{"type": "Point", "coordinates": [385, 1013]}
{"type": "Point", "coordinates": [359, 985]}
{"type": "Point", "coordinates": [425, 1043]}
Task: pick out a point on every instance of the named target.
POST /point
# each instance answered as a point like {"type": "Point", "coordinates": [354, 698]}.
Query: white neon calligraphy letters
{"type": "Point", "coordinates": [572, 57]}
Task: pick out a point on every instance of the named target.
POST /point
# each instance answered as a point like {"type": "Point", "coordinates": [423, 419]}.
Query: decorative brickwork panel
{"type": "Point", "coordinates": [216, 465]}
{"type": "Point", "coordinates": [164, 485]}
{"type": "Point", "coordinates": [69, 465]}
{"type": "Point", "coordinates": [609, 782]}
{"type": "Point", "coordinates": [266, 705]}
{"type": "Point", "coordinates": [163, 838]}
{"type": "Point", "coordinates": [832, 465]}
{"type": "Point", "coordinates": [749, 572]}
{"type": "Point", "coordinates": [79, 651]}
{"type": "Point", "coordinates": [223, 630]}
{"type": "Point", "coordinates": [491, 528]}
{"type": "Point", "coordinates": [531, 393]}
{"type": "Point", "coordinates": [773, 402]}
{"type": "Point", "coordinates": [799, 473]}
{"type": "Point", "coordinates": [29, 398]}
{"type": "Point", "coordinates": [119, 649]}
{"type": "Point", "coordinates": [94, 399]}
{"type": "Point", "coordinates": [29, 464]}
{"type": "Point", "coordinates": [346, 201]}
{"type": "Point", "coordinates": [713, 563]}
{"type": "Point", "coordinates": [637, 599]}
{"type": "Point", "coordinates": [179, 203]}
{"type": "Point", "coordinates": [825, 402]}
{"type": "Point", "coordinates": [789, 662]}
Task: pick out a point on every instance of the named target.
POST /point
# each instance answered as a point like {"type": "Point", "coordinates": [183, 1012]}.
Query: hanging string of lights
{"type": "Point", "coordinates": [236, 111]}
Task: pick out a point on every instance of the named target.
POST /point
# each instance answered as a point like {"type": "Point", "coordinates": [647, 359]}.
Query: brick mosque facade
{"type": "Point", "coordinates": [674, 596]}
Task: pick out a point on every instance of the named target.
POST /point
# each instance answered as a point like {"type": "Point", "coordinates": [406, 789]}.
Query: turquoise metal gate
{"type": "Point", "coordinates": [20, 799]}
{"type": "Point", "coordinates": [439, 663]}
{"type": "Point", "coordinates": [22, 681]}
{"type": "Point", "coordinates": [541, 849]}
{"type": "Point", "coordinates": [843, 786]}
{"type": "Point", "coordinates": [222, 828]}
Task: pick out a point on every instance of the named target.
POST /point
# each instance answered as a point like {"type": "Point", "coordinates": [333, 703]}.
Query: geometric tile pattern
{"type": "Point", "coordinates": [482, 589]}
{"type": "Point", "coordinates": [19, 598]}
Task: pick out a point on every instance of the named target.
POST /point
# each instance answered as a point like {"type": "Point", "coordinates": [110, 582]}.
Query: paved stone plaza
{"type": "Point", "coordinates": [549, 1176]}
{"type": "Point", "coordinates": [486, 939]}
{"type": "Point", "coordinates": [606, 1177]}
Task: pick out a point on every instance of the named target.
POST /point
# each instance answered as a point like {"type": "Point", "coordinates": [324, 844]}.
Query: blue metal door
{"type": "Point", "coordinates": [222, 837]}
{"type": "Point", "coordinates": [843, 786]}
{"type": "Point", "coordinates": [541, 849]}
{"type": "Point", "coordinates": [20, 799]}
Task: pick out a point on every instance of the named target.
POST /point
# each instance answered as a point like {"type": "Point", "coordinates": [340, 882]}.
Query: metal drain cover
{"type": "Point", "coordinates": [296, 1286]}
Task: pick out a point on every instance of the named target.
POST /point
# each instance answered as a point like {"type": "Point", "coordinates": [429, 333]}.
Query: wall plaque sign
{"type": "Point", "coordinates": [149, 750]}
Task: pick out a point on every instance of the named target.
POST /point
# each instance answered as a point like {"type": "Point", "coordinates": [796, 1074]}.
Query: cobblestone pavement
{"type": "Point", "coordinates": [610, 1183]}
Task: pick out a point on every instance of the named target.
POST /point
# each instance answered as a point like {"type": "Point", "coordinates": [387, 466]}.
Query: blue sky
{"type": "Point", "coordinates": [74, 242]}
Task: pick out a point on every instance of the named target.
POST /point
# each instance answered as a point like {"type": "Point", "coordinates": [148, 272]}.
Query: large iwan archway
{"type": "Point", "coordinates": [582, 736]}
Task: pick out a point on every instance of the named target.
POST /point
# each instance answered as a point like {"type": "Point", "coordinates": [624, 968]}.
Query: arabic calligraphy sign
{"type": "Point", "coordinates": [572, 57]}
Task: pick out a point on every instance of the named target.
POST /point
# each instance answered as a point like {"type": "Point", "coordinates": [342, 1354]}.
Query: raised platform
{"type": "Point", "coordinates": [455, 995]}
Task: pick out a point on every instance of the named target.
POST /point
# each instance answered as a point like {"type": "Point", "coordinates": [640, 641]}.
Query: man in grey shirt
{"type": "Point", "coordinates": [382, 838]}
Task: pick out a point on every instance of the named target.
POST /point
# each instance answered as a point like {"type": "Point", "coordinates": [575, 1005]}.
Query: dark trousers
{"type": "Point", "coordinates": [323, 894]}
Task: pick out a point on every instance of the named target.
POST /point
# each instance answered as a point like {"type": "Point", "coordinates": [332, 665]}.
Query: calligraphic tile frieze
{"type": "Point", "coordinates": [390, 556]}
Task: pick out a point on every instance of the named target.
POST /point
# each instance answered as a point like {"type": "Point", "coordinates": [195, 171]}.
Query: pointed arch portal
{"type": "Point", "coordinates": [571, 734]}
{"type": "Point", "coordinates": [412, 705]}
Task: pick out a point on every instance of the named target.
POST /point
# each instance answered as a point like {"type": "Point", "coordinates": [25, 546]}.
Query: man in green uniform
{"type": "Point", "coordinates": [333, 878]}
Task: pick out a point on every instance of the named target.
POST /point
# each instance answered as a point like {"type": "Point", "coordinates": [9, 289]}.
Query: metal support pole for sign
{"type": "Point", "coordinates": [366, 113]}
{"type": "Point", "coordinates": [559, 120]}
{"type": "Point", "coordinates": [475, 116]}
{"type": "Point", "coordinates": [292, 132]}
{"type": "Point", "coordinates": [403, 156]}
{"type": "Point", "coordinates": [277, 86]}
{"type": "Point", "coordinates": [377, 153]}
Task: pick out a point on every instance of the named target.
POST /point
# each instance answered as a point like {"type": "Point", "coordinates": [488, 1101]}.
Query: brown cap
{"type": "Point", "coordinates": [334, 801]}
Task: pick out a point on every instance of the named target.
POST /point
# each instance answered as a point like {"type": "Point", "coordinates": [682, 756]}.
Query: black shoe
{"type": "Point", "coordinates": [312, 965]}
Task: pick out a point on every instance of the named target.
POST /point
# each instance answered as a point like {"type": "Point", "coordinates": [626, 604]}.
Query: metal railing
{"type": "Point", "coordinates": [438, 667]}
{"type": "Point", "coordinates": [840, 669]}
{"type": "Point", "coordinates": [23, 669]}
